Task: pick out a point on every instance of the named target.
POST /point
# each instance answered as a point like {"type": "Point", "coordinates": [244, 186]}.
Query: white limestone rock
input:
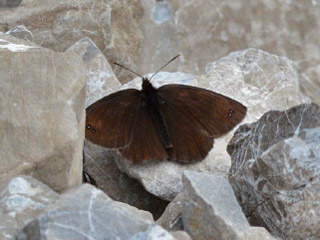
{"type": "Point", "coordinates": [42, 113]}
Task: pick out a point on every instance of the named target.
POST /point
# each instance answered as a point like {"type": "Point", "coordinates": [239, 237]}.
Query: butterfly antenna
{"type": "Point", "coordinates": [118, 64]}
{"type": "Point", "coordinates": [164, 66]}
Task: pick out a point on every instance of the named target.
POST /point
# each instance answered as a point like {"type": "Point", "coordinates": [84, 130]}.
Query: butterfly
{"type": "Point", "coordinates": [174, 122]}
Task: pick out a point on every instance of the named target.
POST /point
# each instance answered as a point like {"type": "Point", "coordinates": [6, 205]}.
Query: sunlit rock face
{"type": "Point", "coordinates": [275, 171]}
{"type": "Point", "coordinates": [42, 113]}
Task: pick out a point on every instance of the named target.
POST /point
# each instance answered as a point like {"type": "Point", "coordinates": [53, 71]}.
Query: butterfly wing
{"type": "Point", "coordinates": [111, 120]}
{"type": "Point", "coordinates": [145, 143]}
{"type": "Point", "coordinates": [120, 120]}
{"type": "Point", "coordinates": [195, 116]}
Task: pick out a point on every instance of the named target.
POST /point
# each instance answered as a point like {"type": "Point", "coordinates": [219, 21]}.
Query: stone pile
{"type": "Point", "coordinates": [54, 62]}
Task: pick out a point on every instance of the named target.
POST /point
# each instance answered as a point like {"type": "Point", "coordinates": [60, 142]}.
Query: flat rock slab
{"type": "Point", "coordinates": [275, 171]}
{"type": "Point", "coordinates": [42, 113]}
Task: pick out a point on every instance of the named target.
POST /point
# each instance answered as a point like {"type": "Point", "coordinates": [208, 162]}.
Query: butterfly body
{"type": "Point", "coordinates": [174, 122]}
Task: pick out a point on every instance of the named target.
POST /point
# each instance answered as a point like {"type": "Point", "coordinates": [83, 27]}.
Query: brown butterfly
{"type": "Point", "coordinates": [174, 122]}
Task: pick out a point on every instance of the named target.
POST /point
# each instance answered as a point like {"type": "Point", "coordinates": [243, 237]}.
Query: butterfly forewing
{"type": "Point", "coordinates": [111, 120]}
{"type": "Point", "coordinates": [215, 113]}
{"type": "Point", "coordinates": [145, 143]}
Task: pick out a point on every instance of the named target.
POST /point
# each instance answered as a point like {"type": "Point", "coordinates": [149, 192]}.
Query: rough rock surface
{"type": "Point", "coordinates": [112, 25]}
{"type": "Point", "coordinates": [153, 232]}
{"type": "Point", "coordinates": [257, 79]}
{"type": "Point", "coordinates": [101, 79]}
{"type": "Point", "coordinates": [275, 171]}
{"type": "Point", "coordinates": [42, 113]}
{"type": "Point", "coordinates": [310, 81]}
{"type": "Point", "coordinates": [171, 219]}
{"type": "Point", "coordinates": [10, 3]}
{"type": "Point", "coordinates": [210, 210]}
{"type": "Point", "coordinates": [87, 213]}
{"type": "Point", "coordinates": [284, 28]}
{"type": "Point", "coordinates": [22, 200]}
{"type": "Point", "coordinates": [100, 164]}
{"type": "Point", "coordinates": [21, 32]}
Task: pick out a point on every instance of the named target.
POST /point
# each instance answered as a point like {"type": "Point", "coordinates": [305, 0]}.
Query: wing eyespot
{"type": "Point", "coordinates": [230, 113]}
{"type": "Point", "coordinates": [93, 130]}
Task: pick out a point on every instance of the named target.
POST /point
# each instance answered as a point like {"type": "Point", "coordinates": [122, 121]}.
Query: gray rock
{"type": "Point", "coordinates": [87, 213]}
{"type": "Point", "coordinates": [21, 32]}
{"type": "Point", "coordinates": [22, 200]}
{"type": "Point", "coordinates": [171, 219]}
{"type": "Point", "coordinates": [10, 3]}
{"type": "Point", "coordinates": [153, 232]}
{"type": "Point", "coordinates": [310, 80]}
{"type": "Point", "coordinates": [101, 79]}
{"type": "Point", "coordinates": [181, 235]}
{"type": "Point", "coordinates": [259, 80]}
{"type": "Point", "coordinates": [275, 171]}
{"type": "Point", "coordinates": [42, 113]}
{"type": "Point", "coordinates": [211, 211]}
{"type": "Point", "coordinates": [100, 164]}
{"type": "Point", "coordinates": [112, 25]}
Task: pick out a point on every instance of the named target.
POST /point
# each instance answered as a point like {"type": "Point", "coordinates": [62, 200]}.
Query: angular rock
{"type": "Point", "coordinates": [210, 209]}
{"type": "Point", "coordinates": [101, 79]}
{"type": "Point", "coordinates": [226, 27]}
{"type": "Point", "coordinates": [181, 235]}
{"type": "Point", "coordinates": [22, 200]}
{"type": "Point", "coordinates": [275, 171]}
{"type": "Point", "coordinates": [310, 81]}
{"type": "Point", "coordinates": [10, 3]}
{"type": "Point", "coordinates": [100, 164]}
{"type": "Point", "coordinates": [153, 232]}
{"type": "Point", "coordinates": [257, 79]}
{"type": "Point", "coordinates": [112, 25]}
{"type": "Point", "coordinates": [21, 32]}
{"type": "Point", "coordinates": [87, 213]}
{"type": "Point", "coordinates": [42, 113]}
{"type": "Point", "coordinates": [171, 219]}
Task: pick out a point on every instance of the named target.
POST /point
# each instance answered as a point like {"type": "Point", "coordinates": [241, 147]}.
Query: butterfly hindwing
{"type": "Point", "coordinates": [145, 143]}
{"type": "Point", "coordinates": [195, 116]}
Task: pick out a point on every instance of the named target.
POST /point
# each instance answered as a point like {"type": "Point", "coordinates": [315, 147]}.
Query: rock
{"type": "Point", "coordinates": [101, 79]}
{"type": "Point", "coordinates": [284, 28]}
{"type": "Point", "coordinates": [112, 25]}
{"type": "Point", "coordinates": [171, 219]}
{"type": "Point", "coordinates": [100, 164]}
{"type": "Point", "coordinates": [257, 79]}
{"type": "Point", "coordinates": [181, 235]}
{"type": "Point", "coordinates": [154, 232]}
{"type": "Point", "coordinates": [210, 209]}
{"type": "Point", "coordinates": [310, 81]}
{"type": "Point", "coordinates": [23, 199]}
{"type": "Point", "coordinates": [10, 3]}
{"type": "Point", "coordinates": [42, 114]}
{"type": "Point", "coordinates": [87, 213]}
{"type": "Point", "coordinates": [275, 171]}
{"type": "Point", "coordinates": [21, 32]}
